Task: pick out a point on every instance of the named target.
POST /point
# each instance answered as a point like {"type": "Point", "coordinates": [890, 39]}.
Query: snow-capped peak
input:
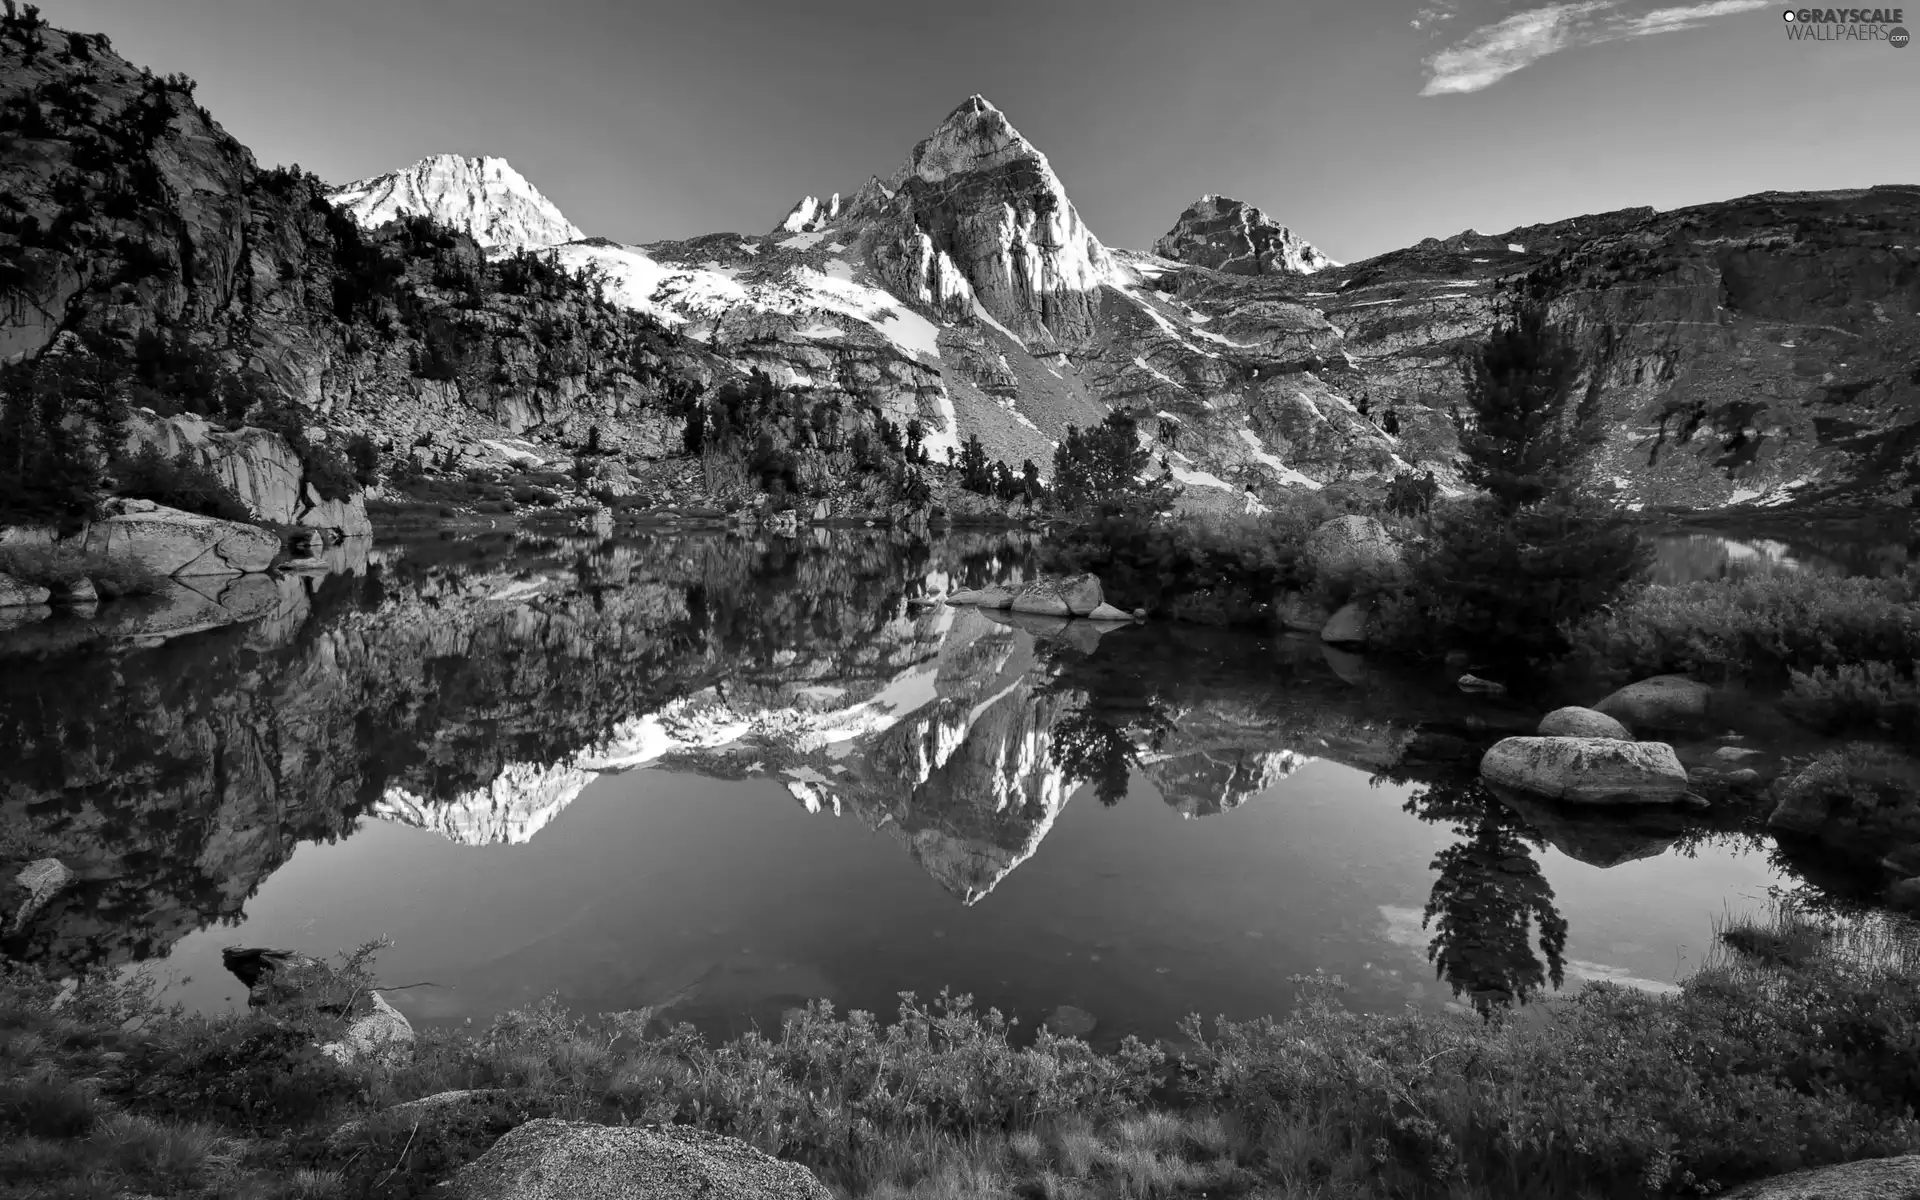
{"type": "Point", "coordinates": [811, 216]}
{"type": "Point", "coordinates": [484, 198]}
{"type": "Point", "coordinates": [1235, 237]}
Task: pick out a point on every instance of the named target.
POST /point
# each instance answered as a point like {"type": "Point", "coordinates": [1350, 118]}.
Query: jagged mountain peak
{"type": "Point", "coordinates": [483, 197]}
{"type": "Point", "coordinates": [1237, 238]}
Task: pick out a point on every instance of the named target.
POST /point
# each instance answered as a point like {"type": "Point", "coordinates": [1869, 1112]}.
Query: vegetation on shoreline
{"type": "Point", "coordinates": [1792, 1048]}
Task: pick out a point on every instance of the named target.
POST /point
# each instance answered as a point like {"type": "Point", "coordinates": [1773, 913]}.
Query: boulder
{"type": "Point", "coordinates": [1348, 627]}
{"type": "Point", "coordinates": [1293, 610]}
{"type": "Point", "coordinates": [965, 596]}
{"type": "Point", "coordinates": [42, 878]}
{"type": "Point", "coordinates": [381, 1035]}
{"type": "Point", "coordinates": [1107, 612]}
{"type": "Point", "coordinates": [1041, 598]}
{"type": "Point", "coordinates": [1866, 1179]}
{"type": "Point", "coordinates": [996, 597]}
{"type": "Point", "coordinates": [1082, 594]}
{"type": "Point", "coordinates": [167, 541]}
{"type": "Point", "coordinates": [1663, 702]}
{"type": "Point", "coordinates": [14, 594]}
{"type": "Point", "coordinates": [1485, 687]}
{"type": "Point", "coordinates": [578, 1160]}
{"type": "Point", "coordinates": [822, 513]}
{"type": "Point", "coordinates": [1353, 547]}
{"type": "Point", "coordinates": [80, 591]}
{"type": "Point", "coordinates": [1587, 770]}
{"type": "Point", "coordinates": [1574, 721]}
{"type": "Point", "coordinates": [1734, 756]}
{"type": "Point", "coordinates": [1808, 798]}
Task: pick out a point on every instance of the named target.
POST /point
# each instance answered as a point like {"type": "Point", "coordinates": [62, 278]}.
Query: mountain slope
{"type": "Point", "coordinates": [484, 198]}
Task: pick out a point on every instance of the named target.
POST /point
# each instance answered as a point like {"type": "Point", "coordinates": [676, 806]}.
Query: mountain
{"type": "Point", "coordinates": [484, 198]}
{"type": "Point", "coordinates": [1752, 351]}
{"type": "Point", "coordinates": [1235, 238]}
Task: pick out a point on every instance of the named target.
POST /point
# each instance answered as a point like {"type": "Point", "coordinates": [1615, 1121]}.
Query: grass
{"type": "Point", "coordinates": [1794, 1046]}
{"type": "Point", "coordinates": [60, 567]}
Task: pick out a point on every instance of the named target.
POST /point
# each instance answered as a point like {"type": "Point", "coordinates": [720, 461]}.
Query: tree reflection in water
{"type": "Point", "coordinates": [1489, 899]}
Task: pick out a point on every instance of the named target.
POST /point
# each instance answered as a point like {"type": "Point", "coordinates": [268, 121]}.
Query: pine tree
{"type": "Point", "coordinates": [1525, 432]}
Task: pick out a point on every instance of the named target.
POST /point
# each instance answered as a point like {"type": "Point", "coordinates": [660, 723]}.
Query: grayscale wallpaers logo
{"type": "Point", "coordinates": [1847, 25]}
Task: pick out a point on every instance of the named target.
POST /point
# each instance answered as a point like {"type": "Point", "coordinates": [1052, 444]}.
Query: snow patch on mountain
{"type": "Point", "coordinates": [485, 198]}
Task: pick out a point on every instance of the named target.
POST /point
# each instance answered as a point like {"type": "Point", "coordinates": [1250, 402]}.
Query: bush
{"type": "Point", "coordinates": [1219, 571]}
{"type": "Point", "coordinates": [322, 464]}
{"type": "Point", "coordinates": [179, 482]}
{"type": "Point", "coordinates": [1858, 697]}
{"type": "Point", "coordinates": [1761, 626]}
{"type": "Point", "coordinates": [1508, 586]}
{"type": "Point", "coordinates": [1102, 468]}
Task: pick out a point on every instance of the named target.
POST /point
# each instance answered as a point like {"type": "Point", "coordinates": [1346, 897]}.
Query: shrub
{"type": "Point", "coordinates": [1858, 697]}
{"type": "Point", "coordinates": [1102, 469]}
{"type": "Point", "coordinates": [322, 464]}
{"type": "Point", "coordinates": [1509, 585]}
{"type": "Point", "coordinates": [1760, 626]}
{"type": "Point", "coordinates": [1220, 571]}
{"type": "Point", "coordinates": [179, 482]}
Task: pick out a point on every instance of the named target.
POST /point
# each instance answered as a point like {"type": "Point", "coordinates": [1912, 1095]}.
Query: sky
{"type": "Point", "coordinates": [1365, 125]}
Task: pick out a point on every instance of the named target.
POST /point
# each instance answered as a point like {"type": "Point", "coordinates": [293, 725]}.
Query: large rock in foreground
{"type": "Point", "coordinates": [14, 594]}
{"type": "Point", "coordinates": [576, 1160]}
{"type": "Point", "coordinates": [1869, 1179]}
{"type": "Point", "coordinates": [1587, 770]}
{"type": "Point", "coordinates": [167, 541]}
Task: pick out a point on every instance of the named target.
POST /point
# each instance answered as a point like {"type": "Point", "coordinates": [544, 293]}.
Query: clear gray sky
{"type": "Point", "coordinates": [1364, 124]}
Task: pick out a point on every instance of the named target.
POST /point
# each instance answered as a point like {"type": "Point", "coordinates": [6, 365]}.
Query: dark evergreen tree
{"type": "Point", "coordinates": [1523, 432]}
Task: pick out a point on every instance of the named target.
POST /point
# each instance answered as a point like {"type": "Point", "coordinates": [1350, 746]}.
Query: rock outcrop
{"type": "Point", "coordinates": [167, 541]}
{"type": "Point", "coordinates": [1235, 238]}
{"type": "Point", "coordinates": [259, 467]}
{"type": "Point", "coordinates": [576, 1160]}
{"type": "Point", "coordinates": [1353, 547]}
{"type": "Point", "coordinates": [1581, 770]}
{"type": "Point", "coordinates": [14, 594]}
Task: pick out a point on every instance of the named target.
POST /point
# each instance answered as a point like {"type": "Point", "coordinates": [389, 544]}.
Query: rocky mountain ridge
{"type": "Point", "coordinates": [483, 198]}
{"type": "Point", "coordinates": [1753, 351]}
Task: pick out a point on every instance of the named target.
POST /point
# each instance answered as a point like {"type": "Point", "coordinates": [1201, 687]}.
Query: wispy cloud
{"type": "Point", "coordinates": [1430, 15]}
{"type": "Point", "coordinates": [1492, 52]}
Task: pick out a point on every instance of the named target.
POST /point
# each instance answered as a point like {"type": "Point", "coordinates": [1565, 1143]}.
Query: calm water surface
{"type": "Point", "coordinates": [723, 776]}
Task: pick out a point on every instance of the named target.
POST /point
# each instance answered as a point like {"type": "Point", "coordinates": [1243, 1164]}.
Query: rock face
{"type": "Point", "coordinates": [14, 594]}
{"type": "Point", "coordinates": [575, 1160]}
{"type": "Point", "coordinates": [1868, 1179]}
{"type": "Point", "coordinates": [1574, 721]}
{"type": "Point", "coordinates": [168, 541]}
{"type": "Point", "coordinates": [1587, 770]}
{"type": "Point", "coordinates": [484, 198]}
{"type": "Point", "coordinates": [1351, 547]}
{"type": "Point", "coordinates": [42, 878]}
{"type": "Point", "coordinates": [1236, 238]}
{"type": "Point", "coordinates": [1662, 702]}
{"type": "Point", "coordinates": [258, 467]}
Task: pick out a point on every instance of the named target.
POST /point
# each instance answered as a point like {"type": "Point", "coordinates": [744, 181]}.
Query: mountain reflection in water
{"type": "Point", "coordinates": [478, 687]}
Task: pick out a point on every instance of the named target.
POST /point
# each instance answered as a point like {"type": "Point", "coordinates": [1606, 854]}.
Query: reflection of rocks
{"type": "Point", "coordinates": [1600, 841]}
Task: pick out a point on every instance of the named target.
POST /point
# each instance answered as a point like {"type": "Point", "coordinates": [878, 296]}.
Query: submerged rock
{"type": "Point", "coordinates": [1868, 1179]}
{"type": "Point", "coordinates": [1662, 702]}
{"type": "Point", "coordinates": [1068, 1021]}
{"type": "Point", "coordinates": [1473, 683]}
{"type": "Point", "coordinates": [1587, 770]}
{"type": "Point", "coordinates": [1574, 721]}
{"type": "Point", "coordinates": [577, 1160]}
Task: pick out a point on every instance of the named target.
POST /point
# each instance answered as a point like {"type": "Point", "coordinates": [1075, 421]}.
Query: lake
{"type": "Point", "coordinates": [722, 775]}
